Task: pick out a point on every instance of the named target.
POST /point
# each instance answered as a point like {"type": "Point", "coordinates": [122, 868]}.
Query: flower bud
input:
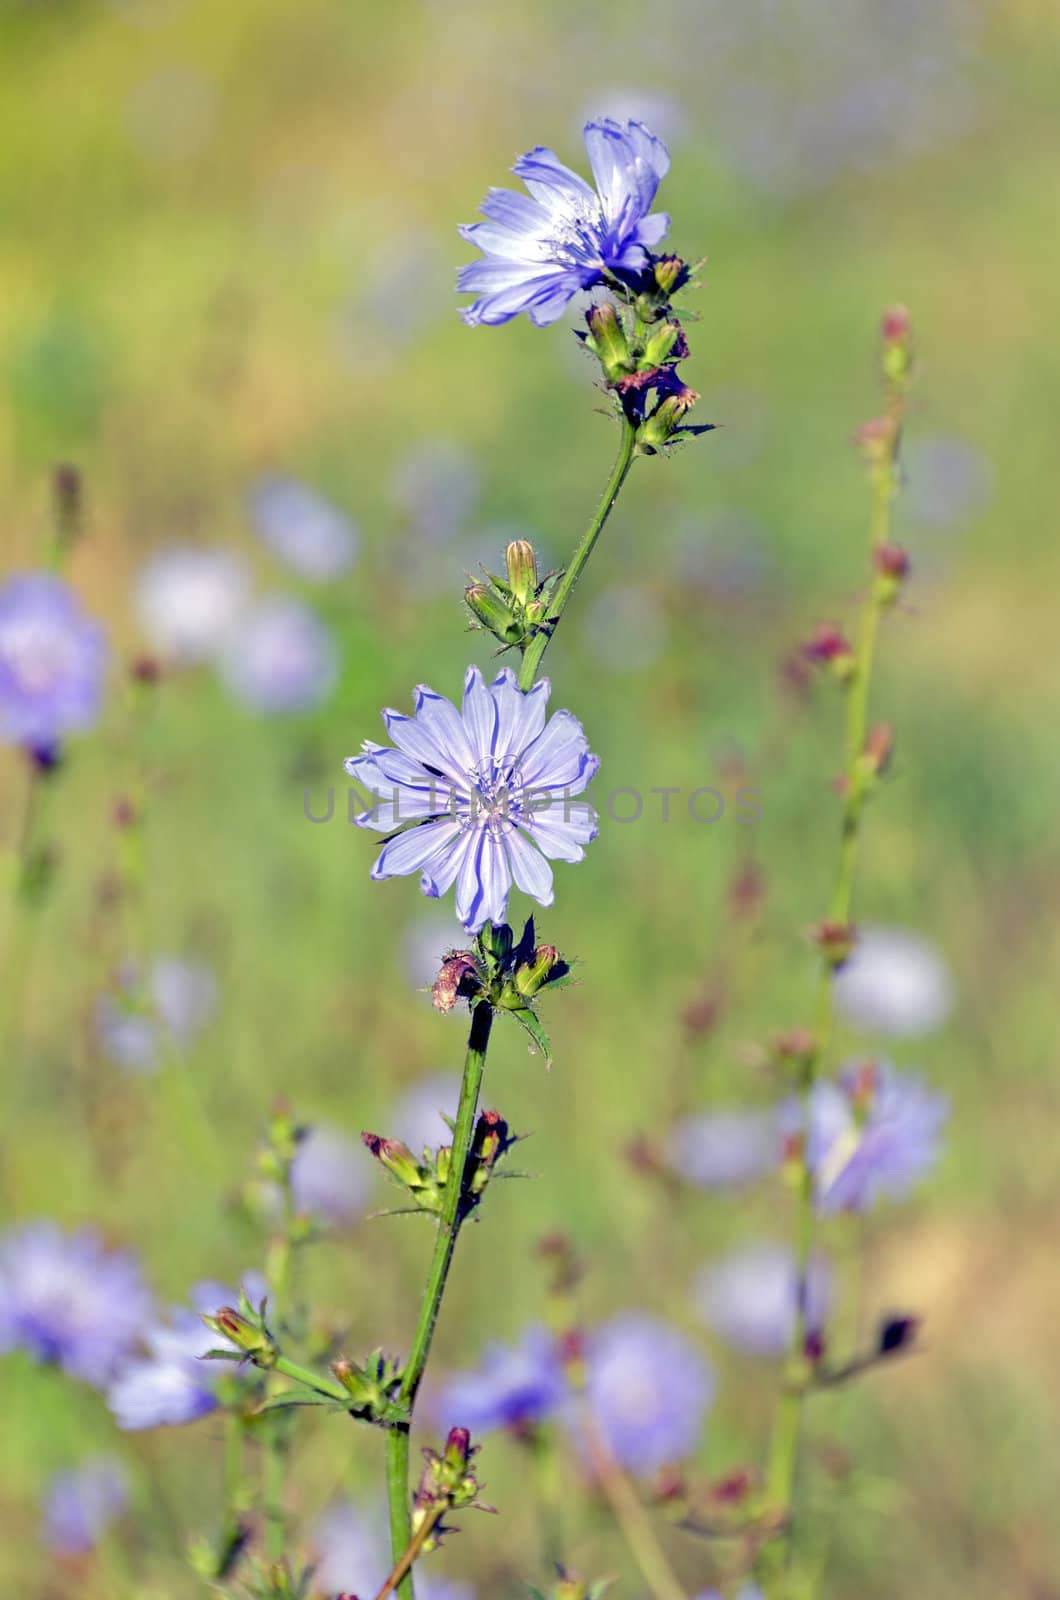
{"type": "Point", "coordinates": [897, 1333]}
{"type": "Point", "coordinates": [879, 747]}
{"type": "Point", "coordinates": [830, 648]}
{"type": "Point", "coordinates": [671, 274]}
{"type": "Point", "coordinates": [607, 340]}
{"type": "Point", "coordinates": [397, 1158]}
{"type": "Point", "coordinates": [493, 613]}
{"type": "Point", "coordinates": [662, 426]}
{"type": "Point", "coordinates": [661, 343]}
{"type": "Point", "coordinates": [835, 940]}
{"type": "Point", "coordinates": [250, 1337]}
{"type": "Point", "coordinates": [892, 566]}
{"type": "Point", "coordinates": [536, 973]}
{"type": "Point", "coordinates": [897, 334]}
{"type": "Point", "coordinates": [521, 565]}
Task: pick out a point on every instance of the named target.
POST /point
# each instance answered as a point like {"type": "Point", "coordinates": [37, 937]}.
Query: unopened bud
{"type": "Point", "coordinates": [897, 334]}
{"type": "Point", "coordinates": [493, 613]}
{"type": "Point", "coordinates": [247, 1336]}
{"type": "Point", "coordinates": [897, 1333]}
{"type": "Point", "coordinates": [835, 940]}
{"type": "Point", "coordinates": [830, 648]}
{"type": "Point", "coordinates": [664, 339]}
{"type": "Point", "coordinates": [892, 566]}
{"type": "Point", "coordinates": [879, 747]}
{"type": "Point", "coordinates": [664, 423]}
{"type": "Point", "coordinates": [607, 340]}
{"type": "Point", "coordinates": [396, 1157]}
{"type": "Point", "coordinates": [521, 565]}
{"type": "Point", "coordinates": [671, 273]}
{"type": "Point", "coordinates": [533, 976]}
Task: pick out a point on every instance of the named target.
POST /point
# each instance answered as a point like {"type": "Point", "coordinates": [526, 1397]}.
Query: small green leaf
{"type": "Point", "coordinates": [530, 1021]}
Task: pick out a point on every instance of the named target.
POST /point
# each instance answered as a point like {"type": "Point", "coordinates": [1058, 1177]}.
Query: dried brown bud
{"type": "Point", "coordinates": [454, 979]}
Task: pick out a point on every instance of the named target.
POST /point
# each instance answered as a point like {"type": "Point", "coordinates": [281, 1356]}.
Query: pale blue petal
{"type": "Point", "coordinates": [551, 183]}
{"type": "Point", "coordinates": [469, 899]}
{"type": "Point", "coordinates": [439, 874]}
{"type": "Point", "coordinates": [494, 240]}
{"type": "Point", "coordinates": [413, 849]}
{"type": "Point", "coordinates": [516, 212]}
{"type": "Point", "coordinates": [560, 833]}
{"type": "Point", "coordinates": [530, 870]}
{"type": "Point", "coordinates": [496, 875]}
{"type": "Point", "coordinates": [557, 757]}
{"type": "Point", "coordinates": [480, 715]}
{"type": "Point", "coordinates": [520, 717]}
{"type": "Point", "coordinates": [653, 230]}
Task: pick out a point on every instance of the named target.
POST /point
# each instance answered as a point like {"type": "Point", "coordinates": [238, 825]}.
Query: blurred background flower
{"type": "Point", "coordinates": [750, 1298]}
{"type": "Point", "coordinates": [81, 1503]}
{"type": "Point", "coordinates": [895, 983]}
{"type": "Point", "coordinates": [647, 1391]}
{"type": "Point", "coordinates": [52, 662]}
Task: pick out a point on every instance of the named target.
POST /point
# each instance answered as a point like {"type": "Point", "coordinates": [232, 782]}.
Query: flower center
{"type": "Point", "coordinates": [496, 793]}
{"type": "Point", "coordinates": [576, 241]}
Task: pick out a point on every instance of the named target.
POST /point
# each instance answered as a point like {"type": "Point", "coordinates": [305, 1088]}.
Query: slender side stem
{"type": "Point", "coordinates": [404, 1565]}
{"type": "Point", "coordinates": [278, 1272]}
{"type": "Point", "coordinates": [634, 1523]}
{"type": "Point", "coordinates": [784, 1451]}
{"type": "Point", "coordinates": [539, 643]}
{"type": "Point", "coordinates": [449, 1224]}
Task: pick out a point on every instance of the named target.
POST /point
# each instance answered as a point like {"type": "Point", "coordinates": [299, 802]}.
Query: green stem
{"type": "Point", "coordinates": [634, 1523]}
{"type": "Point", "coordinates": [449, 1223]}
{"type": "Point", "coordinates": [539, 643]}
{"type": "Point", "coordinates": [782, 1467]}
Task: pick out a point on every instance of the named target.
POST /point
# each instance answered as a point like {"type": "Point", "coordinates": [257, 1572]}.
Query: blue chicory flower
{"type": "Point", "coordinates": [329, 1181]}
{"type": "Point", "coordinates": [515, 1386]}
{"type": "Point", "coordinates": [68, 1300]}
{"type": "Point", "coordinates": [751, 1298]}
{"type": "Point", "coordinates": [80, 1504]}
{"type": "Point", "coordinates": [874, 1134]}
{"type": "Point", "coordinates": [647, 1391]}
{"type": "Point", "coordinates": [134, 1031]}
{"type": "Point", "coordinates": [474, 791]}
{"type": "Point", "coordinates": [724, 1149]}
{"type": "Point", "coordinates": [302, 529]}
{"type": "Point", "coordinates": [352, 1557]}
{"type": "Point", "coordinates": [52, 662]}
{"type": "Point", "coordinates": [172, 1383]}
{"type": "Point", "coordinates": [189, 598]}
{"type": "Point", "coordinates": [281, 658]}
{"type": "Point", "coordinates": [541, 248]}
{"type": "Point", "coordinates": [895, 983]}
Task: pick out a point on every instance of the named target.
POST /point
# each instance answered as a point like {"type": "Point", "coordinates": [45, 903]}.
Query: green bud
{"type": "Point", "coordinates": [657, 430]}
{"type": "Point", "coordinates": [494, 613]}
{"type": "Point", "coordinates": [607, 340]}
{"type": "Point", "coordinates": [397, 1158]}
{"type": "Point", "coordinates": [252, 1338]}
{"type": "Point", "coordinates": [660, 343]}
{"type": "Point", "coordinates": [536, 973]}
{"type": "Point", "coordinates": [670, 273]}
{"type": "Point", "coordinates": [522, 570]}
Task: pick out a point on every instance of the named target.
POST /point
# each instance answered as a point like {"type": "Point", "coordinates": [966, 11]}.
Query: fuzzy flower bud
{"type": "Point", "coordinates": [493, 613]}
{"type": "Point", "coordinates": [665, 340]}
{"type": "Point", "coordinates": [533, 976]}
{"type": "Point", "coordinates": [607, 340]}
{"type": "Point", "coordinates": [664, 424]}
{"type": "Point", "coordinates": [835, 940]}
{"type": "Point", "coordinates": [896, 333]}
{"type": "Point", "coordinates": [252, 1338]}
{"type": "Point", "coordinates": [396, 1157]}
{"type": "Point", "coordinates": [830, 648]}
{"type": "Point", "coordinates": [892, 568]}
{"type": "Point", "coordinates": [671, 274]}
{"type": "Point", "coordinates": [521, 565]}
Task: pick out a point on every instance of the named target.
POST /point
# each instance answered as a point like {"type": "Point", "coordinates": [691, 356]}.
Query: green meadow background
{"type": "Point", "coordinates": [227, 242]}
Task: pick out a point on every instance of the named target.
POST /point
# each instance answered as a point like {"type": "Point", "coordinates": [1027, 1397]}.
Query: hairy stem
{"type": "Point", "coordinates": [564, 589]}
{"type": "Point", "coordinates": [782, 1468]}
{"type": "Point", "coordinates": [449, 1224]}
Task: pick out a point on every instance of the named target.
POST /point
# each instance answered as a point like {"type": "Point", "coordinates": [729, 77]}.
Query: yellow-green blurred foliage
{"type": "Point", "coordinates": [227, 240]}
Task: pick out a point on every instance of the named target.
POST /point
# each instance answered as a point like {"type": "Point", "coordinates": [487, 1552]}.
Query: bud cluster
{"type": "Point", "coordinates": [447, 1483]}
{"type": "Point", "coordinates": [373, 1387]}
{"type": "Point", "coordinates": [639, 343]}
{"type": "Point", "coordinates": [504, 973]}
{"type": "Point", "coordinates": [512, 607]}
{"type": "Point", "coordinates": [426, 1181]}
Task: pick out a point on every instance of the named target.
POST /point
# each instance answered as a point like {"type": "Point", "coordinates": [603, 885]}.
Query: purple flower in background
{"type": "Point", "coordinates": [894, 983]}
{"type": "Point", "coordinates": [724, 1149]}
{"type": "Point", "coordinates": [172, 1384]}
{"type": "Point", "coordinates": [436, 486]}
{"type": "Point", "coordinates": [180, 999]}
{"type": "Point", "coordinates": [874, 1135]}
{"type": "Point", "coordinates": [189, 598]}
{"type": "Point", "coordinates": [539, 249]}
{"type": "Point", "coordinates": [751, 1298]}
{"type": "Point", "coordinates": [308, 534]}
{"type": "Point", "coordinates": [749, 1591]}
{"type": "Point", "coordinates": [66, 1299]}
{"type": "Point", "coordinates": [352, 1557]}
{"type": "Point", "coordinates": [647, 1391]}
{"type": "Point", "coordinates": [281, 658]}
{"type": "Point", "coordinates": [516, 1386]}
{"type": "Point", "coordinates": [418, 1119]}
{"type": "Point", "coordinates": [52, 662]}
{"type": "Point", "coordinates": [328, 1176]}
{"type": "Point", "coordinates": [479, 789]}
{"type": "Point", "coordinates": [79, 1505]}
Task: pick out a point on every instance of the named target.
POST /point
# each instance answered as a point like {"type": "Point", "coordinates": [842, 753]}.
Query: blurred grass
{"type": "Point", "coordinates": [201, 209]}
